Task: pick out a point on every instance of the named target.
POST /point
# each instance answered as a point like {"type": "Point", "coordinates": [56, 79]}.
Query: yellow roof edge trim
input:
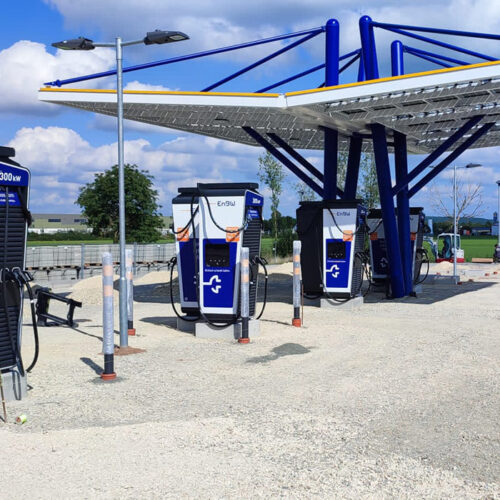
{"type": "Point", "coordinates": [288, 94]}
{"type": "Point", "coordinates": [393, 78]}
{"type": "Point", "coordinates": [159, 92]}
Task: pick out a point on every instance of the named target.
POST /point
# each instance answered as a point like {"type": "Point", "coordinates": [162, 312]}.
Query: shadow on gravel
{"type": "Point", "coordinates": [92, 364]}
{"type": "Point", "coordinates": [279, 290]}
{"type": "Point", "coordinates": [158, 293]}
{"type": "Point", "coordinates": [88, 334]}
{"type": "Point", "coordinates": [432, 293]}
{"type": "Point", "coordinates": [277, 321]}
{"type": "Point", "coordinates": [170, 322]}
{"type": "Point", "coordinates": [289, 349]}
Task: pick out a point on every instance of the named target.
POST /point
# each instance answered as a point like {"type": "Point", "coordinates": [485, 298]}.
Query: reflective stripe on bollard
{"type": "Point", "coordinates": [245, 295]}
{"type": "Point", "coordinates": [129, 263]}
{"type": "Point", "coordinates": [108, 344]}
{"type": "Point", "coordinates": [297, 278]}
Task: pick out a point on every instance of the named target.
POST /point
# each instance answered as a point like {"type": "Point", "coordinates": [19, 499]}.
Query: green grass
{"type": "Point", "coordinates": [63, 243]}
{"type": "Point", "coordinates": [266, 247]}
{"type": "Point", "coordinates": [474, 246]}
{"type": "Point", "coordinates": [478, 246]}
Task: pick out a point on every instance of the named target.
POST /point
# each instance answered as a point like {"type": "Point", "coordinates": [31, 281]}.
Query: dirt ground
{"type": "Point", "coordinates": [397, 399]}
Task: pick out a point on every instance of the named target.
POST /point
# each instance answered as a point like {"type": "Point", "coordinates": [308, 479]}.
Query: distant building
{"type": "Point", "coordinates": [60, 223]}
{"type": "Point", "coordinates": [481, 230]}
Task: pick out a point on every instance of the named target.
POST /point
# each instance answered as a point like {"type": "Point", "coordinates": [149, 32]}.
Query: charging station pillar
{"type": "Point", "coordinates": [14, 220]}
{"type": "Point", "coordinates": [388, 212]}
{"type": "Point", "coordinates": [332, 40]}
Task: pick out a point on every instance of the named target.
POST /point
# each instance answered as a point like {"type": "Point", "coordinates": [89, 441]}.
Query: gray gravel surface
{"type": "Point", "coordinates": [399, 399]}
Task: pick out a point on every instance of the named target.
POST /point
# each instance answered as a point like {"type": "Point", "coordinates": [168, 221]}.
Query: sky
{"type": "Point", "coordinates": [64, 148]}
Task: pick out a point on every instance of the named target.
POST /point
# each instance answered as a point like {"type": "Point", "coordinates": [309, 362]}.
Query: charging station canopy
{"type": "Point", "coordinates": [427, 107]}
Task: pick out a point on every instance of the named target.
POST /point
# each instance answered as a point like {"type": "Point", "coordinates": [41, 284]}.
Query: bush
{"type": "Point", "coordinates": [62, 236]}
{"type": "Point", "coordinates": [284, 244]}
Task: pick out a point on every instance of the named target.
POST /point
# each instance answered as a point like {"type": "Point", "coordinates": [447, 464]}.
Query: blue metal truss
{"type": "Point", "coordinates": [397, 229]}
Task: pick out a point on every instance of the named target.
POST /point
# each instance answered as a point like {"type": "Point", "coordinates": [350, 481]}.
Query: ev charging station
{"type": "Point", "coordinates": [379, 262]}
{"type": "Point", "coordinates": [332, 234]}
{"type": "Point", "coordinates": [186, 223]}
{"type": "Point", "coordinates": [383, 109]}
{"type": "Point", "coordinates": [212, 223]}
{"type": "Point", "coordinates": [14, 221]}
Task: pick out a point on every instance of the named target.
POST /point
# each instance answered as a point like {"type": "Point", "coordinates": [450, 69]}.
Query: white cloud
{"type": "Point", "coordinates": [136, 85]}
{"type": "Point", "coordinates": [61, 161]}
{"type": "Point", "coordinates": [213, 24]}
{"type": "Point", "coordinates": [26, 66]}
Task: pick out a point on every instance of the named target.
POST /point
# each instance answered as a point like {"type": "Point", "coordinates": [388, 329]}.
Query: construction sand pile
{"type": "Point", "coordinates": [155, 277]}
{"type": "Point", "coordinates": [89, 291]}
{"type": "Point", "coordinates": [285, 268]}
{"type": "Point", "coordinates": [444, 267]}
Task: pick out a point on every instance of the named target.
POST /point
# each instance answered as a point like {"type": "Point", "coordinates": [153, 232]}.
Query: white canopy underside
{"type": "Point", "coordinates": [426, 107]}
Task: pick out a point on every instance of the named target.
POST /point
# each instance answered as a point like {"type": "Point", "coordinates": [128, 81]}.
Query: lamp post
{"type": "Point", "coordinates": [498, 212]}
{"type": "Point", "coordinates": [455, 168]}
{"type": "Point", "coordinates": [153, 37]}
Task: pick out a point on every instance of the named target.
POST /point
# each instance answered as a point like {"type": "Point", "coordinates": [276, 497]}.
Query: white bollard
{"type": "Point", "coordinates": [297, 284]}
{"type": "Point", "coordinates": [108, 344]}
{"type": "Point", "coordinates": [129, 264]}
{"type": "Point", "coordinates": [244, 295]}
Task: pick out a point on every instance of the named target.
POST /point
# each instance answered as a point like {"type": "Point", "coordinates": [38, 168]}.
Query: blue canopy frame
{"type": "Point", "coordinates": [397, 229]}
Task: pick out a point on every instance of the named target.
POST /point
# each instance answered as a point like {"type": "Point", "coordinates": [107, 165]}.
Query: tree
{"type": "Point", "coordinates": [469, 199]}
{"type": "Point", "coordinates": [304, 192]}
{"type": "Point", "coordinates": [367, 184]}
{"type": "Point", "coordinates": [99, 201]}
{"type": "Point", "coordinates": [272, 175]}
{"type": "Point", "coordinates": [368, 187]}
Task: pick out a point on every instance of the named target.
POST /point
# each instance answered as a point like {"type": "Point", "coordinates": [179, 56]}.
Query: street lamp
{"type": "Point", "coordinates": [81, 43]}
{"type": "Point", "coordinates": [455, 168]}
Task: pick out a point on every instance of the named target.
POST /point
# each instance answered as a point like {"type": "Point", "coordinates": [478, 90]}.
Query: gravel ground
{"type": "Point", "coordinates": [397, 399]}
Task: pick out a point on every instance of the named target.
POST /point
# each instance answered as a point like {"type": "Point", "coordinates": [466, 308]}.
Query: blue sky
{"type": "Point", "coordinates": [65, 147]}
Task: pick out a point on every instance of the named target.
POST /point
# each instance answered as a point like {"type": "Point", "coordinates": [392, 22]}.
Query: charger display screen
{"type": "Point", "coordinates": [217, 255]}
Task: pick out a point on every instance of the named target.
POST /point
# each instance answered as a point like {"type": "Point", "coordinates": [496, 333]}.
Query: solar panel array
{"type": "Point", "coordinates": [427, 114]}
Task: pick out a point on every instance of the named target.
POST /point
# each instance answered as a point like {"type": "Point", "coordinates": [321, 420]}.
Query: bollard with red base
{"type": "Point", "coordinates": [297, 288]}
{"type": "Point", "coordinates": [245, 295]}
{"type": "Point", "coordinates": [108, 344]}
{"type": "Point", "coordinates": [129, 268]}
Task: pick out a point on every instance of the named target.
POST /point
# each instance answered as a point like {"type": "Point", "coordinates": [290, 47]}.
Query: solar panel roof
{"type": "Point", "coordinates": [427, 107]}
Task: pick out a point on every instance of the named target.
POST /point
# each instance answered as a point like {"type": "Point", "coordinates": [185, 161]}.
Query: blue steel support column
{"type": "Point", "coordinates": [397, 58]}
{"type": "Point", "coordinates": [361, 69]}
{"type": "Point", "coordinates": [332, 54]}
{"type": "Point", "coordinates": [387, 205]}
{"type": "Point", "coordinates": [352, 174]}
{"type": "Point", "coordinates": [368, 49]}
{"type": "Point", "coordinates": [403, 203]}
{"type": "Point", "coordinates": [401, 164]}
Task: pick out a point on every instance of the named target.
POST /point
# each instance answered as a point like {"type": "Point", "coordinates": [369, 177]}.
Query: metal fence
{"type": "Point", "coordinates": [76, 256]}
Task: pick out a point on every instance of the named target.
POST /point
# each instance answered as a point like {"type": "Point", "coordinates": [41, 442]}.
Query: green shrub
{"type": "Point", "coordinates": [284, 245]}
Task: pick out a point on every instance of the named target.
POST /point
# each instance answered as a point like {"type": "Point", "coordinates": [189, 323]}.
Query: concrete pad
{"type": "Point", "coordinates": [440, 279]}
{"type": "Point", "coordinates": [185, 326]}
{"type": "Point", "coordinates": [349, 305]}
{"type": "Point", "coordinates": [325, 302]}
{"type": "Point", "coordinates": [206, 331]}
{"type": "Point", "coordinates": [474, 273]}
{"type": "Point", "coordinates": [14, 385]}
